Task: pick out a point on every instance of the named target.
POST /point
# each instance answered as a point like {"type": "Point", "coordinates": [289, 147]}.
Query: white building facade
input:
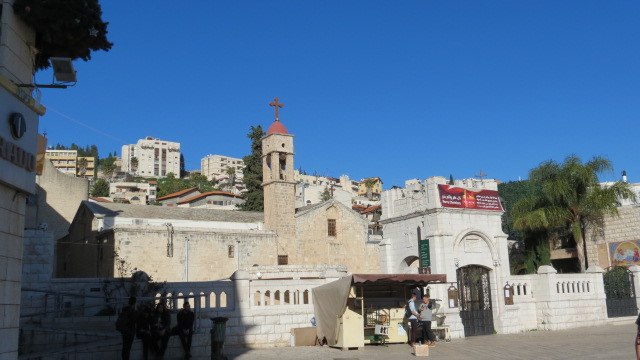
{"type": "Point", "coordinates": [215, 166]}
{"type": "Point", "coordinates": [156, 158]}
{"type": "Point", "coordinates": [133, 192]}
{"type": "Point", "coordinates": [456, 230]}
{"type": "Point", "coordinates": [19, 113]}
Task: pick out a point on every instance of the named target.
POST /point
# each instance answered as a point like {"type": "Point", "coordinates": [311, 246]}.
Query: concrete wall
{"type": "Point", "coordinates": [58, 198]}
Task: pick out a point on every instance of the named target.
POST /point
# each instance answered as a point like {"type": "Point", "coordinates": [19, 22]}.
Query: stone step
{"type": "Point", "coordinates": [624, 320]}
{"type": "Point", "coordinates": [111, 349]}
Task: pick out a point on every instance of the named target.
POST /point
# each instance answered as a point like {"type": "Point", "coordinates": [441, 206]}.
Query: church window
{"type": "Point", "coordinates": [283, 259]}
{"type": "Point", "coordinates": [331, 227]}
{"type": "Point", "coordinates": [231, 251]}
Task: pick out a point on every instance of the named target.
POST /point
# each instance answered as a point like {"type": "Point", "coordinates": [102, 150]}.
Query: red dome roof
{"type": "Point", "coordinates": [277, 128]}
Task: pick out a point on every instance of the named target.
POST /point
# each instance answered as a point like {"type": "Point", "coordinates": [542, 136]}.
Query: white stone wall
{"type": "Point", "coordinates": [350, 247]}
{"type": "Point", "coordinates": [12, 210]}
{"type": "Point", "coordinates": [198, 255]}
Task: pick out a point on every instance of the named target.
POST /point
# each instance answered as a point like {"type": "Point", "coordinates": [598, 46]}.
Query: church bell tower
{"type": "Point", "coordinates": [279, 186]}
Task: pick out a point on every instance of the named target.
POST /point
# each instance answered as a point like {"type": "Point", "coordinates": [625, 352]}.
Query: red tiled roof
{"type": "Point", "coordinates": [370, 209]}
{"type": "Point", "coordinates": [153, 182]}
{"type": "Point", "coordinates": [358, 207]}
{"type": "Point", "coordinates": [204, 195]}
{"type": "Point", "coordinates": [277, 128]}
{"type": "Point", "coordinates": [177, 193]}
{"type": "Point", "coordinates": [100, 199]}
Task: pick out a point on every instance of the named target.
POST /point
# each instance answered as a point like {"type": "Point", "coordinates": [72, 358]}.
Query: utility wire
{"type": "Point", "coordinates": [86, 126]}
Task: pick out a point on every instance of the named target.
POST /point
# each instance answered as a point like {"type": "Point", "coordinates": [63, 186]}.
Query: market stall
{"type": "Point", "coordinates": [366, 308]}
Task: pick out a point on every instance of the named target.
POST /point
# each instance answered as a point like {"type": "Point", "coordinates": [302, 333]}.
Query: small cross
{"type": "Point", "coordinates": [481, 175]}
{"type": "Point", "coordinates": [276, 105]}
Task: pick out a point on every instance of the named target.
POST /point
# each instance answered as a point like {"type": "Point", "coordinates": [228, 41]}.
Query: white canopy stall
{"type": "Point", "coordinates": [366, 308]}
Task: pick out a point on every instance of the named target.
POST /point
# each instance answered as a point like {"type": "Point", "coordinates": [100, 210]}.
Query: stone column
{"type": "Point", "coordinates": [545, 292]}
{"type": "Point", "coordinates": [243, 292]}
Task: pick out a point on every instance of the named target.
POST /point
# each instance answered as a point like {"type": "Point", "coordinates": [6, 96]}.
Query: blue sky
{"type": "Point", "coordinates": [396, 89]}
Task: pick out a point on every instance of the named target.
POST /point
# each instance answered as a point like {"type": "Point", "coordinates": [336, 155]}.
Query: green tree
{"type": "Point", "coordinates": [170, 184]}
{"type": "Point", "coordinates": [64, 28]}
{"type": "Point", "coordinates": [134, 164]}
{"type": "Point", "coordinates": [569, 196]}
{"type": "Point", "coordinates": [231, 172]}
{"type": "Point", "coordinates": [108, 165]}
{"type": "Point", "coordinates": [326, 194]}
{"type": "Point", "coordinates": [200, 181]}
{"type": "Point", "coordinates": [82, 166]}
{"type": "Point", "coordinates": [100, 188]}
{"type": "Point", "coordinates": [254, 197]}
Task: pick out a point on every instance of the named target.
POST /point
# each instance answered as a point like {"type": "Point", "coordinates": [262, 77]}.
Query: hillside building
{"type": "Point", "coordinates": [154, 158]}
{"type": "Point", "coordinates": [68, 162]}
{"type": "Point", "coordinates": [133, 192]}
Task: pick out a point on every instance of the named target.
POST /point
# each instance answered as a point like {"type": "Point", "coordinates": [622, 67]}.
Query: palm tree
{"type": "Point", "coordinates": [82, 166]}
{"type": "Point", "coordinates": [231, 181]}
{"type": "Point", "coordinates": [369, 184]}
{"type": "Point", "coordinates": [569, 196]}
{"type": "Point", "coordinates": [134, 164]}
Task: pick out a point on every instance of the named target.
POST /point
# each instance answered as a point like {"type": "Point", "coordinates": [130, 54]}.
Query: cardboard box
{"type": "Point", "coordinates": [421, 350]}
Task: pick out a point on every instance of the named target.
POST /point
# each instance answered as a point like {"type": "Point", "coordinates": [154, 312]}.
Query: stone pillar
{"type": "Point", "coordinates": [545, 292]}
{"type": "Point", "coordinates": [243, 291]}
{"type": "Point", "coordinates": [598, 281]}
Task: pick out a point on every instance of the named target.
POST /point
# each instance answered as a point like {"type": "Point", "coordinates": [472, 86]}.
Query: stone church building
{"type": "Point", "coordinates": [189, 244]}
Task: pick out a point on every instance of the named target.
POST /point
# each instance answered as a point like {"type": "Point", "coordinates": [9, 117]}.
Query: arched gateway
{"type": "Point", "coordinates": [475, 300]}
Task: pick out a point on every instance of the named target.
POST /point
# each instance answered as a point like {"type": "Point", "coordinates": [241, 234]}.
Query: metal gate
{"type": "Point", "coordinates": [475, 300]}
{"type": "Point", "coordinates": [621, 294]}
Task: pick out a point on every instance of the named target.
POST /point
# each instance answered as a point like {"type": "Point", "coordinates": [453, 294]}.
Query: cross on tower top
{"type": "Point", "coordinates": [276, 105]}
{"type": "Point", "coordinates": [481, 175]}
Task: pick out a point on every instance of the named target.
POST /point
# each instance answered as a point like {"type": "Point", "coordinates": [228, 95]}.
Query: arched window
{"type": "Point", "coordinates": [223, 299]}
{"type": "Point", "coordinates": [256, 298]}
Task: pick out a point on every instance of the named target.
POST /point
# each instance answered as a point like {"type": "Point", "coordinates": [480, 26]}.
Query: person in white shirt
{"type": "Point", "coordinates": [413, 319]}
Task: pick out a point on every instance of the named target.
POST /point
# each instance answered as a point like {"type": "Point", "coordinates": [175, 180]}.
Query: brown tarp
{"type": "Point", "coordinates": [330, 300]}
{"type": "Point", "coordinates": [409, 279]}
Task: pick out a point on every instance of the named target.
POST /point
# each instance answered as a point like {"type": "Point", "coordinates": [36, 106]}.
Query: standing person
{"type": "Point", "coordinates": [143, 331]}
{"type": "Point", "coordinates": [638, 338]}
{"type": "Point", "coordinates": [126, 325]}
{"type": "Point", "coordinates": [161, 327]}
{"type": "Point", "coordinates": [425, 320]}
{"type": "Point", "coordinates": [413, 317]}
{"type": "Point", "coordinates": [184, 329]}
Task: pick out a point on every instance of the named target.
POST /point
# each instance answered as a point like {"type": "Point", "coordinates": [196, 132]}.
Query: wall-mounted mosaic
{"type": "Point", "coordinates": [625, 253]}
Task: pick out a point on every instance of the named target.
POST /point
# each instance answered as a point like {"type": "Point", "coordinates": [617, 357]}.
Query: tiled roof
{"type": "Point", "coordinates": [177, 194]}
{"type": "Point", "coordinates": [204, 195]}
{"type": "Point", "coordinates": [175, 213]}
{"type": "Point", "coordinates": [100, 199]}
{"type": "Point", "coordinates": [277, 128]}
{"type": "Point", "coordinates": [370, 209]}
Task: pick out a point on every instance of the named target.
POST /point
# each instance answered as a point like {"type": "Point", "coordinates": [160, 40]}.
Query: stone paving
{"type": "Point", "coordinates": [609, 342]}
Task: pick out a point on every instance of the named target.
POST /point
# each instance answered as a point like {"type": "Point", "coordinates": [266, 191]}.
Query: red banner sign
{"type": "Point", "coordinates": [456, 197]}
